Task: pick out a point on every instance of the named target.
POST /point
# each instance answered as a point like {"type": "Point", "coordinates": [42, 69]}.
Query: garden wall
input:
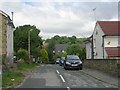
{"type": "Point", "coordinates": [109, 66]}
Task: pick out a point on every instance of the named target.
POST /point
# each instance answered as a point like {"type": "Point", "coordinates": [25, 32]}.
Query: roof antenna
{"type": "Point", "coordinates": [94, 10]}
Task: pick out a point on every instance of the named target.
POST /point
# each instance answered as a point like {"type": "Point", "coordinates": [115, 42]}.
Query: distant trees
{"type": "Point", "coordinates": [73, 43]}
{"type": "Point", "coordinates": [66, 40]}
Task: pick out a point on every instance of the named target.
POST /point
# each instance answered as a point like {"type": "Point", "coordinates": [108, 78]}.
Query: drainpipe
{"type": "Point", "coordinates": [103, 46]}
{"type": "Point", "coordinates": [92, 48]}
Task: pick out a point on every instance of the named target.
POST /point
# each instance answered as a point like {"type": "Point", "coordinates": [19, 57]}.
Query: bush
{"type": "Point", "coordinates": [36, 53]}
{"type": "Point", "coordinates": [44, 55]}
{"type": "Point", "coordinates": [23, 54]}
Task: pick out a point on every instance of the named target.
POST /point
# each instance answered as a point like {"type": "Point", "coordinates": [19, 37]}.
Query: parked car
{"type": "Point", "coordinates": [61, 61]}
{"type": "Point", "coordinates": [57, 60]}
{"type": "Point", "coordinates": [72, 62]}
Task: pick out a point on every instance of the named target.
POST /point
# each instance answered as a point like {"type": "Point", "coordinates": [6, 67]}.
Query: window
{"type": "Point", "coordinates": [96, 32]}
{"type": "Point", "coordinates": [94, 43]}
{"type": "Point", "coordinates": [108, 43]}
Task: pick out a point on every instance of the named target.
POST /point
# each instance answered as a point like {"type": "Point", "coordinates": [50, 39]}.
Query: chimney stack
{"type": "Point", "coordinates": [12, 16]}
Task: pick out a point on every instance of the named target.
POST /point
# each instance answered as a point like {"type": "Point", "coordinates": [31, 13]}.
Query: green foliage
{"type": "Point", "coordinates": [72, 39]}
{"type": "Point", "coordinates": [36, 52]}
{"type": "Point", "coordinates": [25, 66]}
{"type": "Point", "coordinates": [0, 80]}
{"type": "Point", "coordinates": [83, 54]}
{"type": "Point", "coordinates": [51, 47]}
{"type": "Point", "coordinates": [21, 38]}
{"type": "Point", "coordinates": [44, 56]}
{"type": "Point", "coordinates": [0, 60]}
{"type": "Point", "coordinates": [75, 49]}
{"type": "Point", "coordinates": [8, 76]}
{"type": "Point", "coordinates": [23, 54]}
{"type": "Point", "coordinates": [66, 40]}
{"type": "Point", "coordinates": [61, 40]}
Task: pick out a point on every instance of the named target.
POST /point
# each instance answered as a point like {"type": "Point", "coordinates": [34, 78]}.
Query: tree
{"type": "Point", "coordinates": [37, 53]}
{"type": "Point", "coordinates": [83, 54]}
{"type": "Point", "coordinates": [44, 56]}
{"type": "Point", "coordinates": [73, 39]}
{"type": "Point", "coordinates": [21, 38]}
{"type": "Point", "coordinates": [51, 47]}
{"type": "Point", "coordinates": [73, 49]}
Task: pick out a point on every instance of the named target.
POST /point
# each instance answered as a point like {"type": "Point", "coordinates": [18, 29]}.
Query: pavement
{"type": "Point", "coordinates": [104, 77]}
{"type": "Point", "coordinates": [54, 76]}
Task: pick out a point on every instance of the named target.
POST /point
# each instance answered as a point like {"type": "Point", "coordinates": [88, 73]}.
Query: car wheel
{"type": "Point", "coordinates": [80, 68]}
{"type": "Point", "coordinates": [65, 68]}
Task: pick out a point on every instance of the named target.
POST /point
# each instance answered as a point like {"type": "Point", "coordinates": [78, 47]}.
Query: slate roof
{"type": "Point", "coordinates": [60, 47]}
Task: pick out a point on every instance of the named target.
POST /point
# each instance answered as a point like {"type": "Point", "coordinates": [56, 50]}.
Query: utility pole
{"type": "Point", "coordinates": [29, 42]}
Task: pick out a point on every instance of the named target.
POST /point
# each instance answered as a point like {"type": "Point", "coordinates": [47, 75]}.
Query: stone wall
{"type": "Point", "coordinates": [0, 35]}
{"type": "Point", "coordinates": [107, 66]}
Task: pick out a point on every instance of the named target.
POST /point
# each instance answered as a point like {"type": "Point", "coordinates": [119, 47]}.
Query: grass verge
{"type": "Point", "coordinates": [25, 66]}
{"type": "Point", "coordinates": [0, 80]}
{"type": "Point", "coordinates": [11, 78]}
{"type": "Point", "coordinates": [0, 60]}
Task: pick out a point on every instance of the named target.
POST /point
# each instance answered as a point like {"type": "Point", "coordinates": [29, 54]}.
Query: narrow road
{"type": "Point", "coordinates": [54, 76]}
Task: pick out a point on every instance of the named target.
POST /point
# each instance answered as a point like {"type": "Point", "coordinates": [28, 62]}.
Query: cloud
{"type": "Point", "coordinates": [61, 18]}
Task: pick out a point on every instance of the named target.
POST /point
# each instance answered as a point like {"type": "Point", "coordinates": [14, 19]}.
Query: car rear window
{"type": "Point", "coordinates": [73, 58]}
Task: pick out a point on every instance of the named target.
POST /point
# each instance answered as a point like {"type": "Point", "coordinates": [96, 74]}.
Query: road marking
{"type": "Point", "coordinates": [58, 72]}
{"type": "Point", "coordinates": [68, 88]}
{"type": "Point", "coordinates": [62, 78]}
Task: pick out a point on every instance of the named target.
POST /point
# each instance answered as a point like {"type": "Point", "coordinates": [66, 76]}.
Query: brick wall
{"type": "Point", "coordinates": [108, 66]}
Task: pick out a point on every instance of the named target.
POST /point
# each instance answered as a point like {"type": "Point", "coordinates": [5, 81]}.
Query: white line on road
{"type": "Point", "coordinates": [62, 78]}
{"type": "Point", "coordinates": [58, 72]}
{"type": "Point", "coordinates": [68, 88]}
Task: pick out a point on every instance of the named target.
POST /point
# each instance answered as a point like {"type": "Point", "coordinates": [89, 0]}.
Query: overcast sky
{"type": "Point", "coordinates": [59, 17]}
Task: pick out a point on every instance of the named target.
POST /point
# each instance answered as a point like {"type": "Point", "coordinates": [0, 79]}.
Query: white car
{"type": "Point", "coordinates": [57, 60]}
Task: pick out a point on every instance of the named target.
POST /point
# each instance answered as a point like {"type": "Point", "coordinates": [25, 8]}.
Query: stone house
{"type": "Point", "coordinates": [60, 48]}
{"type": "Point", "coordinates": [6, 37]}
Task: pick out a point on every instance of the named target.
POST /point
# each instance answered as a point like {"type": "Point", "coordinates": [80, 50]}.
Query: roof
{"type": "Point", "coordinates": [113, 52]}
{"type": "Point", "coordinates": [10, 22]}
{"type": "Point", "coordinates": [60, 47]}
{"type": "Point", "coordinates": [110, 28]}
{"type": "Point", "coordinates": [89, 39]}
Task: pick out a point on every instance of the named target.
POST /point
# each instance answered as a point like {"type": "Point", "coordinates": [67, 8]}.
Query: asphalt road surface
{"type": "Point", "coordinates": [54, 76]}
